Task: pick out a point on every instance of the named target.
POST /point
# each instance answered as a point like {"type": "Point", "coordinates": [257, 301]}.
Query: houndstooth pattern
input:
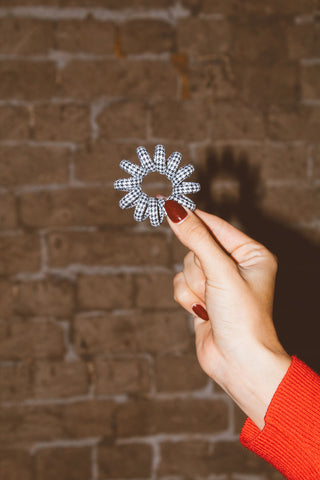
{"type": "Point", "coordinates": [153, 212]}
{"type": "Point", "coordinates": [126, 184]}
{"type": "Point", "coordinates": [153, 207]}
{"type": "Point", "coordinates": [141, 209]}
{"type": "Point", "coordinates": [160, 159]}
{"type": "Point", "coordinates": [128, 200]}
{"type": "Point", "coordinates": [145, 159]}
{"type": "Point", "coordinates": [186, 187]}
{"type": "Point", "coordinates": [173, 164]}
{"type": "Point", "coordinates": [182, 174]}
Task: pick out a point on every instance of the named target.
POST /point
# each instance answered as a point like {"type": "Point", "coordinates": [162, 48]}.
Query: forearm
{"type": "Point", "coordinates": [252, 382]}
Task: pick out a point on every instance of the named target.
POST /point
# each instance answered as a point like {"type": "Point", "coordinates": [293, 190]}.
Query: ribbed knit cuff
{"type": "Point", "coordinates": [290, 439]}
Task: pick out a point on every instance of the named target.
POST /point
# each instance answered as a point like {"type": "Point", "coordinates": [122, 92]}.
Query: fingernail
{"type": "Point", "coordinates": [200, 311]}
{"type": "Point", "coordinates": [175, 211]}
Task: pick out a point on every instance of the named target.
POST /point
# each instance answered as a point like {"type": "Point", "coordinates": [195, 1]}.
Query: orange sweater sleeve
{"type": "Point", "coordinates": [290, 439]}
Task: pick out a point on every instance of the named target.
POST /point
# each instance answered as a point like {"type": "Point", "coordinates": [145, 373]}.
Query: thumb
{"type": "Point", "coordinates": [217, 265]}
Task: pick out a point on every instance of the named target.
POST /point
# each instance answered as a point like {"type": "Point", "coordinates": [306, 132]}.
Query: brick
{"type": "Point", "coordinates": [275, 161]}
{"type": "Point", "coordinates": [240, 418]}
{"type": "Point", "coordinates": [155, 290]}
{"type": "Point", "coordinates": [65, 463]}
{"type": "Point", "coordinates": [135, 3]}
{"type": "Point", "coordinates": [59, 379]}
{"type": "Point", "coordinates": [138, 79]}
{"type": "Point", "coordinates": [292, 204]}
{"type": "Point", "coordinates": [76, 206]}
{"type": "Point", "coordinates": [112, 4]}
{"type": "Point", "coordinates": [27, 80]}
{"type": "Point", "coordinates": [201, 458]}
{"type": "Point", "coordinates": [125, 119]}
{"type": "Point", "coordinates": [272, 7]}
{"type": "Point", "coordinates": [7, 295]}
{"type": "Point", "coordinates": [23, 426]}
{"type": "Point", "coordinates": [303, 40]}
{"type": "Point", "coordinates": [89, 419]}
{"type": "Point", "coordinates": [310, 78]}
{"type": "Point", "coordinates": [146, 36]}
{"type": "Point", "coordinates": [33, 165]}
{"type": "Point", "coordinates": [14, 382]}
{"type": "Point", "coordinates": [225, 7]}
{"type": "Point", "coordinates": [316, 163]}
{"type": "Point", "coordinates": [211, 80]}
{"type": "Point", "coordinates": [15, 464]}
{"type": "Point", "coordinates": [24, 339]}
{"type": "Point", "coordinates": [281, 83]}
{"type": "Point", "coordinates": [261, 41]}
{"type": "Point", "coordinates": [186, 458]}
{"type": "Point", "coordinates": [209, 37]}
{"type": "Point", "coordinates": [8, 213]}
{"type": "Point", "coordinates": [19, 253]}
{"type": "Point", "coordinates": [106, 248]}
{"type": "Point", "coordinates": [293, 123]}
{"type": "Point", "coordinates": [99, 160]}
{"type": "Point", "coordinates": [124, 461]}
{"type": "Point", "coordinates": [14, 122]}
{"type": "Point", "coordinates": [87, 36]}
{"type": "Point", "coordinates": [56, 122]}
{"type": "Point", "coordinates": [132, 333]}
{"type": "Point", "coordinates": [96, 292]}
{"type": "Point", "coordinates": [230, 456]}
{"type": "Point", "coordinates": [232, 121]}
{"type": "Point", "coordinates": [23, 36]}
{"type": "Point", "coordinates": [52, 296]}
{"type": "Point", "coordinates": [186, 120]}
{"type": "Point", "coordinates": [121, 375]}
{"type": "Point", "coordinates": [150, 417]}
{"type": "Point", "coordinates": [170, 373]}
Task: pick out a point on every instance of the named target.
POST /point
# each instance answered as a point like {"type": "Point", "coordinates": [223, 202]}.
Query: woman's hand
{"type": "Point", "coordinates": [232, 277]}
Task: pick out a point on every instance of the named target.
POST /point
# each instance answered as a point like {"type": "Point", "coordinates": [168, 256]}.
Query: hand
{"type": "Point", "coordinates": [232, 277]}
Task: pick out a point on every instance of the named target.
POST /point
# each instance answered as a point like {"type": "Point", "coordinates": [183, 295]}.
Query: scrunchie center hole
{"type": "Point", "coordinates": [155, 184]}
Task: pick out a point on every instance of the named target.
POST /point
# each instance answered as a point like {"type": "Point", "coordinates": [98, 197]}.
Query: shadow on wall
{"type": "Point", "coordinates": [297, 295]}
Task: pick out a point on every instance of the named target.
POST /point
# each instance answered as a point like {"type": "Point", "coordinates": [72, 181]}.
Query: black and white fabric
{"type": "Point", "coordinates": [153, 207]}
{"type": "Point", "coordinates": [126, 184]}
{"type": "Point", "coordinates": [173, 164]}
{"type": "Point", "coordinates": [141, 210]}
{"type": "Point", "coordinates": [129, 200]}
{"type": "Point", "coordinates": [186, 187]}
{"type": "Point", "coordinates": [145, 160]}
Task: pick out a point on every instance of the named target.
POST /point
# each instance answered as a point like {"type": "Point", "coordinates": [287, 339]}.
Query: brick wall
{"type": "Point", "coordinates": [98, 375]}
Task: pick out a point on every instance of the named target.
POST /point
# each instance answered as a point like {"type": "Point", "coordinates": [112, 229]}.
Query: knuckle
{"type": "Point", "coordinates": [180, 293]}
{"type": "Point", "coordinates": [187, 259]}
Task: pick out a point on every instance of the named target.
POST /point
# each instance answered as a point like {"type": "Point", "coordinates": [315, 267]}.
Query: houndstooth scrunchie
{"type": "Point", "coordinates": [152, 207]}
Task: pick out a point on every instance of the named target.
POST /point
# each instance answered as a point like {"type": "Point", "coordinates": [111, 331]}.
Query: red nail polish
{"type": "Point", "coordinates": [175, 211]}
{"type": "Point", "coordinates": [200, 311]}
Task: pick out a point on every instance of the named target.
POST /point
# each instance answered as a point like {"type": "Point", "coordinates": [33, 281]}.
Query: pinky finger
{"type": "Point", "coordinates": [187, 298]}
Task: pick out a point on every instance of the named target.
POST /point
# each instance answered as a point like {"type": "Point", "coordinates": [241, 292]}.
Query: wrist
{"type": "Point", "coordinates": [252, 379]}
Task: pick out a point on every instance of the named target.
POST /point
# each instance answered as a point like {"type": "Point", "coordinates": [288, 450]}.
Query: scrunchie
{"type": "Point", "coordinates": [153, 207]}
